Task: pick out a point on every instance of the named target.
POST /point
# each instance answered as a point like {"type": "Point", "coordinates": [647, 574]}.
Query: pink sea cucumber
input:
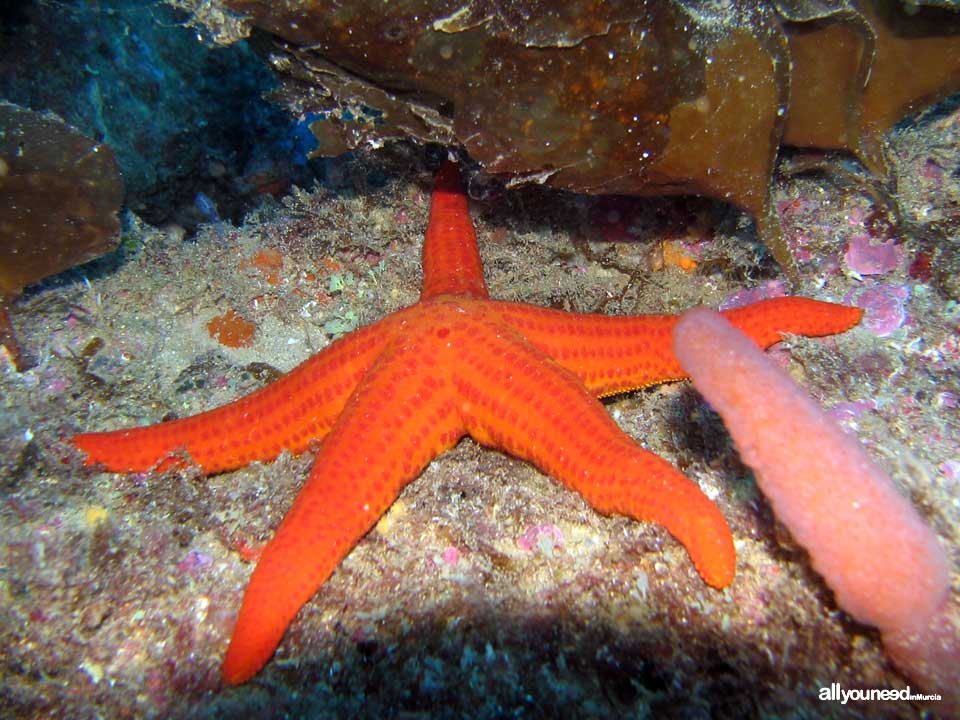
{"type": "Point", "coordinates": [885, 566]}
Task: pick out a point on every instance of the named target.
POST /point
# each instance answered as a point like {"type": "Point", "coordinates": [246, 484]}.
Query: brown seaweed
{"type": "Point", "coordinates": [621, 98]}
{"type": "Point", "coordinates": [59, 197]}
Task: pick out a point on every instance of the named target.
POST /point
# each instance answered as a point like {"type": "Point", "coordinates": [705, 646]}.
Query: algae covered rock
{"type": "Point", "coordinates": [60, 193]}
{"type": "Point", "coordinates": [638, 98]}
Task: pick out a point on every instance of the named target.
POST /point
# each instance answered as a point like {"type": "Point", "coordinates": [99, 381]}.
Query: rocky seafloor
{"type": "Point", "coordinates": [488, 590]}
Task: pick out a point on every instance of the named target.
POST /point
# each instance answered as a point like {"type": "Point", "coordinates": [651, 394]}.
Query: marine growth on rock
{"type": "Point", "coordinates": [60, 193]}
{"type": "Point", "coordinates": [633, 98]}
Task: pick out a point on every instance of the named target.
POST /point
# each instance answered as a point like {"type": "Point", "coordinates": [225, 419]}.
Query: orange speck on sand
{"type": "Point", "coordinates": [270, 263]}
{"type": "Point", "coordinates": [232, 329]}
{"type": "Point", "coordinates": [672, 254]}
{"type": "Point", "coordinates": [248, 553]}
{"type": "Point", "coordinates": [332, 265]}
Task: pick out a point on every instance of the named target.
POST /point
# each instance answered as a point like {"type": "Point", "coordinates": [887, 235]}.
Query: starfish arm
{"type": "Point", "coordinates": [289, 414]}
{"type": "Point", "coordinates": [516, 399]}
{"type": "Point", "coordinates": [451, 260]}
{"type": "Point", "coordinates": [401, 416]}
{"type": "Point", "coordinates": [767, 321]}
{"type": "Point", "coordinates": [612, 354]}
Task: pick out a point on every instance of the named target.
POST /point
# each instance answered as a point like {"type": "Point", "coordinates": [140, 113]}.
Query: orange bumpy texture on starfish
{"type": "Point", "coordinates": [391, 396]}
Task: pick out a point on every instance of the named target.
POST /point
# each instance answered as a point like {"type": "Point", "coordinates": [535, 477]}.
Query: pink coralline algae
{"type": "Point", "coordinates": [450, 555]}
{"type": "Point", "coordinates": [194, 563]}
{"type": "Point", "coordinates": [543, 538]}
{"type": "Point", "coordinates": [770, 289]}
{"type": "Point", "coordinates": [866, 258]}
{"type": "Point", "coordinates": [885, 306]}
{"type": "Point", "coordinates": [845, 411]}
{"type": "Point", "coordinates": [951, 470]}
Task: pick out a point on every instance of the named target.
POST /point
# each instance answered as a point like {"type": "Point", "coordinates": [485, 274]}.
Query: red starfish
{"type": "Point", "coordinates": [391, 396]}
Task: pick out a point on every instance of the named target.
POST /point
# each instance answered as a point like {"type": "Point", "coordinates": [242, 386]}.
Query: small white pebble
{"type": "Point", "coordinates": [643, 584]}
{"type": "Point", "coordinates": [93, 670]}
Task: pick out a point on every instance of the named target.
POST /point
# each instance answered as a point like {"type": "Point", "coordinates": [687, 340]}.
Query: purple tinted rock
{"type": "Point", "coordinates": [194, 563]}
{"type": "Point", "coordinates": [843, 411]}
{"type": "Point", "coordinates": [885, 306]}
{"type": "Point", "coordinates": [871, 259]}
{"type": "Point", "coordinates": [542, 537]}
{"type": "Point", "coordinates": [951, 470]}
{"type": "Point", "coordinates": [770, 289]}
